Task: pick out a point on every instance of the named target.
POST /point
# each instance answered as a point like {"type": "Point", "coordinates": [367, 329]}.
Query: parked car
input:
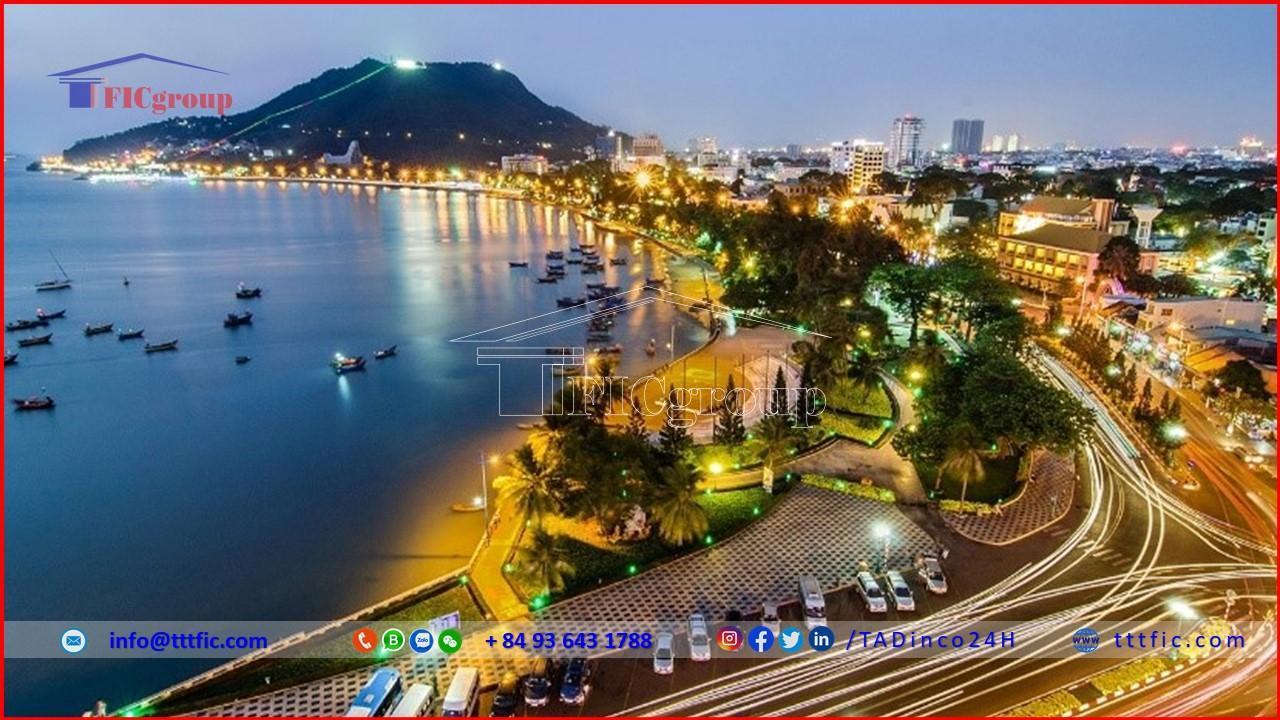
{"type": "Point", "coordinates": [1246, 454]}
{"type": "Point", "coordinates": [930, 571]}
{"type": "Point", "coordinates": [769, 618]}
{"type": "Point", "coordinates": [576, 683]}
{"type": "Point", "coordinates": [537, 686]}
{"type": "Point", "coordinates": [699, 639]}
{"type": "Point", "coordinates": [507, 698]}
{"type": "Point", "coordinates": [872, 595]}
{"type": "Point", "coordinates": [664, 656]}
{"type": "Point", "coordinates": [899, 592]}
{"type": "Point", "coordinates": [815, 606]}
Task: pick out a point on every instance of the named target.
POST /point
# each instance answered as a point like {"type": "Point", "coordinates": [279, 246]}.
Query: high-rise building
{"type": "Point", "coordinates": [794, 151]}
{"type": "Point", "coordinates": [648, 150]}
{"type": "Point", "coordinates": [966, 137]}
{"type": "Point", "coordinates": [904, 148]}
{"type": "Point", "coordinates": [1011, 145]}
{"type": "Point", "coordinates": [997, 143]}
{"type": "Point", "coordinates": [860, 161]}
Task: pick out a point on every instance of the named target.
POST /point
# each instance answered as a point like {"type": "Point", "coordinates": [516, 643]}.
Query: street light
{"type": "Point", "coordinates": [882, 533]}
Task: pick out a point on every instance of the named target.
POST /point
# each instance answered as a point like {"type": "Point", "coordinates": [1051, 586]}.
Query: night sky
{"type": "Point", "coordinates": [1151, 76]}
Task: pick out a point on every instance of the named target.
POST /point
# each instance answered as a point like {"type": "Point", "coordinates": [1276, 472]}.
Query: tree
{"type": "Point", "coordinates": [674, 437]}
{"type": "Point", "coordinates": [935, 187]}
{"type": "Point", "coordinates": [1240, 376]}
{"type": "Point", "coordinates": [544, 560]}
{"type": "Point", "coordinates": [635, 421]}
{"type": "Point", "coordinates": [908, 289]}
{"type": "Point", "coordinates": [729, 429]}
{"type": "Point", "coordinates": [806, 410]}
{"type": "Point", "coordinates": [528, 485]}
{"type": "Point", "coordinates": [962, 460]}
{"type": "Point", "coordinates": [777, 439]}
{"type": "Point", "coordinates": [864, 371]}
{"type": "Point", "coordinates": [1119, 259]}
{"type": "Point", "coordinates": [675, 508]}
{"type": "Point", "coordinates": [778, 395]}
{"type": "Point", "coordinates": [1143, 408]}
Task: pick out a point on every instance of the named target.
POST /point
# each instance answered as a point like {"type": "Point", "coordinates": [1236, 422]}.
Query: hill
{"type": "Point", "coordinates": [437, 113]}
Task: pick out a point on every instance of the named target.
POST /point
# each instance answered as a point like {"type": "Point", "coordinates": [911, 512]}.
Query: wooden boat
{"type": "Point", "coordinates": [244, 292]}
{"type": "Point", "coordinates": [576, 250]}
{"type": "Point", "coordinates": [517, 263]}
{"type": "Point", "coordinates": [58, 315]}
{"type": "Point", "coordinates": [130, 334]}
{"type": "Point", "coordinates": [161, 347]}
{"type": "Point", "coordinates": [62, 284]}
{"type": "Point", "coordinates": [34, 402]}
{"type": "Point", "coordinates": [587, 246]}
{"type": "Point", "coordinates": [384, 353]}
{"type": "Point", "coordinates": [237, 319]}
{"type": "Point", "coordinates": [595, 286]}
{"type": "Point", "coordinates": [342, 364]}
{"type": "Point", "coordinates": [10, 358]}
{"type": "Point", "coordinates": [566, 302]}
{"type": "Point", "coordinates": [574, 261]}
{"type": "Point", "coordinates": [23, 324]}
{"type": "Point", "coordinates": [591, 269]}
{"type": "Point", "coordinates": [617, 261]}
{"type": "Point", "coordinates": [599, 335]}
{"type": "Point", "coordinates": [613, 349]}
{"type": "Point", "coordinates": [555, 255]}
{"type": "Point", "coordinates": [37, 340]}
{"type": "Point", "coordinates": [90, 329]}
{"type": "Point", "coordinates": [548, 279]}
{"type": "Point", "coordinates": [242, 359]}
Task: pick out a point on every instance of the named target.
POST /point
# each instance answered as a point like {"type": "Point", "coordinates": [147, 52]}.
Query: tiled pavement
{"type": "Point", "coordinates": [810, 531]}
{"type": "Point", "coordinates": [1044, 501]}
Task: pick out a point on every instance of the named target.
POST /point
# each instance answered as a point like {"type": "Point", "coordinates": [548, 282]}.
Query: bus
{"type": "Point", "coordinates": [377, 695]}
{"type": "Point", "coordinates": [416, 701]}
{"type": "Point", "coordinates": [463, 693]}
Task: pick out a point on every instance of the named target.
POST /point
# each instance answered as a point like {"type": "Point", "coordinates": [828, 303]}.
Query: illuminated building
{"type": "Point", "coordinates": [904, 143]}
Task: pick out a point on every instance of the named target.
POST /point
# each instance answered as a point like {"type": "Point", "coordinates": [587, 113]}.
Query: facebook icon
{"type": "Point", "coordinates": [760, 639]}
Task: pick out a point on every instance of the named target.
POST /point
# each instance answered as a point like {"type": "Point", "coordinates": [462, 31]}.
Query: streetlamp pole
{"type": "Point", "coordinates": [484, 493]}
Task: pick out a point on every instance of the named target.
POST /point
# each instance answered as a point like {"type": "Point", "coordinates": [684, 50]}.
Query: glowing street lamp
{"type": "Point", "coordinates": [1175, 432]}
{"type": "Point", "coordinates": [406, 64]}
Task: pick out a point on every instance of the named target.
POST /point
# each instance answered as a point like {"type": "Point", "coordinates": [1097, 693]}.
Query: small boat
{"type": "Point", "coordinates": [91, 330]}
{"type": "Point", "coordinates": [566, 302]}
{"type": "Point", "coordinates": [652, 348]}
{"type": "Point", "coordinates": [587, 246]}
{"type": "Point", "coordinates": [238, 319]}
{"type": "Point", "coordinates": [591, 269]}
{"type": "Point", "coordinates": [548, 279]}
{"type": "Point", "coordinates": [599, 335]}
{"type": "Point", "coordinates": [567, 370]}
{"type": "Point", "coordinates": [476, 505]}
{"type": "Point", "coordinates": [10, 358]}
{"type": "Point", "coordinates": [62, 284]}
{"type": "Point", "coordinates": [130, 334]}
{"type": "Point", "coordinates": [655, 281]}
{"type": "Point", "coordinates": [555, 255]}
{"type": "Point", "coordinates": [242, 359]}
{"type": "Point", "coordinates": [126, 281]}
{"type": "Point", "coordinates": [24, 324]}
{"type": "Point", "coordinates": [595, 286]}
{"type": "Point", "coordinates": [161, 347]}
{"type": "Point", "coordinates": [37, 340]}
{"type": "Point", "coordinates": [574, 261]}
{"type": "Point", "coordinates": [342, 364]}
{"type": "Point", "coordinates": [575, 249]}
{"type": "Point", "coordinates": [617, 261]}
{"type": "Point", "coordinates": [517, 263]}
{"type": "Point", "coordinates": [613, 349]}
{"type": "Point", "coordinates": [384, 353]}
{"type": "Point", "coordinates": [35, 402]}
{"type": "Point", "coordinates": [58, 315]}
{"type": "Point", "coordinates": [244, 292]}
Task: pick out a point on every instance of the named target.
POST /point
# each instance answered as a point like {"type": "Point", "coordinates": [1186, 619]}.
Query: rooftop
{"type": "Point", "coordinates": [1048, 205]}
{"type": "Point", "coordinates": [1065, 237]}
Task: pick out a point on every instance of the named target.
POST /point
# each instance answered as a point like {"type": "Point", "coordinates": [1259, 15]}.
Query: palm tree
{"type": "Point", "coordinates": [544, 560]}
{"type": "Point", "coordinates": [864, 371]}
{"type": "Point", "coordinates": [675, 505]}
{"type": "Point", "coordinates": [777, 438]}
{"type": "Point", "coordinates": [527, 486]}
{"type": "Point", "coordinates": [962, 460]}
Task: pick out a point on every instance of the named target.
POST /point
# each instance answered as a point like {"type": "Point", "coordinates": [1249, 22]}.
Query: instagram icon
{"type": "Point", "coordinates": [729, 639]}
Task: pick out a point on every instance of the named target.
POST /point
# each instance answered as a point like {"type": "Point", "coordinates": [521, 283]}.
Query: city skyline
{"type": "Point", "coordinates": [705, 86]}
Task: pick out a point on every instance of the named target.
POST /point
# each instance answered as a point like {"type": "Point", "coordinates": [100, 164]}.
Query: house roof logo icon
{"type": "Point", "coordinates": [80, 87]}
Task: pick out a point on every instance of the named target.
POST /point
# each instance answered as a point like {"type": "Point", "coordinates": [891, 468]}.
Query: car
{"type": "Point", "coordinates": [930, 570]}
{"type": "Point", "coordinates": [576, 683]}
{"type": "Point", "coordinates": [872, 595]}
{"type": "Point", "coordinates": [1247, 455]}
{"type": "Point", "coordinates": [769, 618]}
{"type": "Point", "coordinates": [507, 698]}
{"type": "Point", "coordinates": [899, 592]}
{"type": "Point", "coordinates": [815, 605]}
{"type": "Point", "coordinates": [537, 685]}
{"type": "Point", "coordinates": [699, 639]}
{"type": "Point", "coordinates": [664, 656]}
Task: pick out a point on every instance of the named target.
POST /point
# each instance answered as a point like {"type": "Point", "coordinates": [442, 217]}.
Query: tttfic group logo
{"type": "Point", "coordinates": [1085, 640]}
{"type": "Point", "coordinates": [87, 89]}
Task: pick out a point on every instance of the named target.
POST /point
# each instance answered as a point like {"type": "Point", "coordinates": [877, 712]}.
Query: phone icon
{"type": "Point", "coordinates": [364, 640]}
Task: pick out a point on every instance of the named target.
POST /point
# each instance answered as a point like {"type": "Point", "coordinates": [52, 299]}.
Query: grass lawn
{"type": "Point", "coordinates": [597, 562]}
{"type": "Point", "coordinates": [850, 397]}
{"type": "Point", "coordinates": [863, 428]}
{"type": "Point", "coordinates": [319, 657]}
{"type": "Point", "coordinates": [999, 484]}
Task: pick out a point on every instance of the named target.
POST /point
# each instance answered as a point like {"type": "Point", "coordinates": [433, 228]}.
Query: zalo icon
{"type": "Point", "coordinates": [760, 639]}
{"type": "Point", "coordinates": [421, 641]}
{"type": "Point", "coordinates": [821, 638]}
{"type": "Point", "coordinates": [789, 639]}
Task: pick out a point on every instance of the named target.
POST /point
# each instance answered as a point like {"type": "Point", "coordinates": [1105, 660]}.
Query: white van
{"type": "Point", "coordinates": [815, 607]}
{"type": "Point", "coordinates": [463, 693]}
{"type": "Point", "coordinates": [416, 702]}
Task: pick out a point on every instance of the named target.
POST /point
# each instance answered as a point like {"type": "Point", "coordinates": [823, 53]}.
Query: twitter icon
{"type": "Point", "coordinates": [789, 639]}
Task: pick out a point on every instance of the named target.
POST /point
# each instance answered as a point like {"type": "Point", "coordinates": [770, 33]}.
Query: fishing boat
{"type": "Point", "coordinates": [617, 261]}
{"type": "Point", "coordinates": [595, 286]}
{"type": "Point", "coordinates": [91, 330]}
{"type": "Point", "coordinates": [342, 364]}
{"type": "Point", "coordinates": [599, 336]}
{"type": "Point", "coordinates": [24, 324]}
{"type": "Point", "coordinates": [476, 505]}
{"type": "Point", "coordinates": [566, 302]}
{"type": "Point", "coordinates": [62, 284]}
{"type": "Point", "coordinates": [35, 402]}
{"type": "Point", "coordinates": [130, 334]}
{"type": "Point", "coordinates": [576, 250]}
{"type": "Point", "coordinates": [555, 254]}
{"type": "Point", "coordinates": [245, 292]}
{"type": "Point", "coordinates": [587, 246]}
{"type": "Point", "coordinates": [574, 261]}
{"type": "Point", "coordinates": [10, 358]}
{"type": "Point", "coordinates": [37, 340]}
{"type": "Point", "coordinates": [58, 315]}
{"type": "Point", "coordinates": [161, 347]}
{"type": "Point", "coordinates": [613, 349]}
{"type": "Point", "coordinates": [548, 279]}
{"type": "Point", "coordinates": [517, 263]}
{"type": "Point", "coordinates": [237, 319]}
{"type": "Point", "coordinates": [242, 359]}
{"type": "Point", "coordinates": [384, 353]}
{"type": "Point", "coordinates": [591, 269]}
{"type": "Point", "coordinates": [651, 349]}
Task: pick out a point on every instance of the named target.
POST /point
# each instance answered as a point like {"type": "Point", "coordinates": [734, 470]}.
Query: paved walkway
{"type": "Point", "coordinates": [1044, 500]}
{"type": "Point", "coordinates": [488, 580]}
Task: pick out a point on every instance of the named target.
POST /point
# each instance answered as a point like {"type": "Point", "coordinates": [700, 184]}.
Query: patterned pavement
{"type": "Point", "coordinates": [1043, 502]}
{"type": "Point", "coordinates": [809, 532]}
